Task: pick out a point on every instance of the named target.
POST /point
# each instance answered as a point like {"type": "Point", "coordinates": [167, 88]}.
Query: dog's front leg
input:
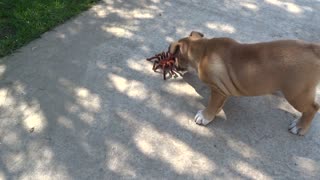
{"type": "Point", "coordinates": [216, 102]}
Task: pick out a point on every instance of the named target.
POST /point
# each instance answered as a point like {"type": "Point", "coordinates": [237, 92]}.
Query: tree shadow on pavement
{"type": "Point", "coordinates": [82, 103]}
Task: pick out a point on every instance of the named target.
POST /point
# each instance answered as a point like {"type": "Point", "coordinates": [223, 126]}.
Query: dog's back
{"type": "Point", "coordinates": [261, 68]}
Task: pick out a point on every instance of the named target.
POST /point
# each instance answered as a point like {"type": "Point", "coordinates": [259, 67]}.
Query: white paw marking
{"type": "Point", "coordinates": [199, 119]}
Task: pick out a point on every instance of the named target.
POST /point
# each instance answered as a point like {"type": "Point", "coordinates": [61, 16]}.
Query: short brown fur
{"type": "Point", "coordinates": [230, 68]}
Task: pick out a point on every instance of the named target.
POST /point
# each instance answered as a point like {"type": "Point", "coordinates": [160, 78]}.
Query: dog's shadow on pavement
{"type": "Point", "coordinates": [192, 79]}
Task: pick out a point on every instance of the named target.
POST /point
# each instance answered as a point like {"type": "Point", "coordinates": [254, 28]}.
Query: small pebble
{"type": "Point", "coordinates": [31, 130]}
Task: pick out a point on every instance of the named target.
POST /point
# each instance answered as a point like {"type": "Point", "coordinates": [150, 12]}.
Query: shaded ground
{"type": "Point", "coordinates": [82, 102]}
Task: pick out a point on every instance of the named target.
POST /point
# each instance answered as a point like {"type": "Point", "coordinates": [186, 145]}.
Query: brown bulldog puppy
{"type": "Point", "coordinates": [230, 68]}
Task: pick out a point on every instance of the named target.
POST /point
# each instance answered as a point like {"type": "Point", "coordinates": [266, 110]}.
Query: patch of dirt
{"type": "Point", "coordinates": [5, 32]}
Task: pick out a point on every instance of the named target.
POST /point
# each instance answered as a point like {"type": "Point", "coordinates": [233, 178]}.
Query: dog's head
{"type": "Point", "coordinates": [180, 49]}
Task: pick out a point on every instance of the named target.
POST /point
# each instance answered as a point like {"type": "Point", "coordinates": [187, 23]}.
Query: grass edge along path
{"type": "Point", "coordinates": [22, 21]}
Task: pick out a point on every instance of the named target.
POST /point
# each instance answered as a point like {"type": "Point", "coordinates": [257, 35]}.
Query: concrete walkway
{"type": "Point", "coordinates": [81, 102]}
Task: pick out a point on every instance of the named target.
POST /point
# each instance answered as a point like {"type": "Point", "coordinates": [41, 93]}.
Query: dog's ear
{"type": "Point", "coordinates": [195, 34]}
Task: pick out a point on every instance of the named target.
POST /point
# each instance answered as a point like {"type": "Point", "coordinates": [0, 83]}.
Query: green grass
{"type": "Point", "coordinates": [24, 20]}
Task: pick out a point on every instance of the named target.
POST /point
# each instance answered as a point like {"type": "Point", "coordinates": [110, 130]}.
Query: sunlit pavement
{"type": "Point", "coordinates": [81, 102]}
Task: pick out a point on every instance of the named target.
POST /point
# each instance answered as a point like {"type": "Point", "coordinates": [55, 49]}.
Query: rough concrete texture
{"type": "Point", "coordinates": [81, 102]}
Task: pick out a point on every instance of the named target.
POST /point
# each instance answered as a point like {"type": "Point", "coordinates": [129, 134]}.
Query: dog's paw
{"type": "Point", "coordinates": [294, 129]}
{"type": "Point", "coordinates": [200, 119]}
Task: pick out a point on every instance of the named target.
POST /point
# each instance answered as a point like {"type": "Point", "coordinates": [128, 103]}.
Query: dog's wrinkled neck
{"type": "Point", "coordinates": [196, 51]}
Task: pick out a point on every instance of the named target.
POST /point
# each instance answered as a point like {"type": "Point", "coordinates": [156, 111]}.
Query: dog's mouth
{"type": "Point", "coordinates": [177, 64]}
{"type": "Point", "coordinates": [179, 68]}
{"type": "Point", "coordinates": [177, 56]}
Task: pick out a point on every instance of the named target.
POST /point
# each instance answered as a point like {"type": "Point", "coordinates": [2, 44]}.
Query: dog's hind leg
{"type": "Point", "coordinates": [216, 102]}
{"type": "Point", "coordinates": [305, 103]}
